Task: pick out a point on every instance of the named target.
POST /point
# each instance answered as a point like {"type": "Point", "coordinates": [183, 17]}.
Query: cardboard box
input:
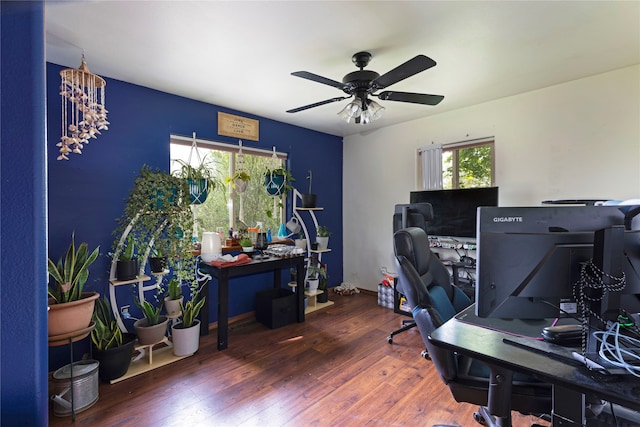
{"type": "Point", "coordinates": [276, 307]}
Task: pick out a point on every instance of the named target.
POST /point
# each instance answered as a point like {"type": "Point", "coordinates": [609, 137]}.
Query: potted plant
{"type": "Point", "coordinates": [322, 237]}
{"type": "Point", "coordinates": [301, 241]}
{"type": "Point", "coordinates": [201, 179]}
{"type": "Point", "coordinates": [186, 334]}
{"type": "Point", "coordinates": [152, 328]}
{"type": "Point", "coordinates": [309, 199]}
{"type": "Point", "coordinates": [110, 347]}
{"type": "Point", "coordinates": [278, 181]}
{"type": "Point", "coordinates": [128, 266]}
{"type": "Point", "coordinates": [322, 286]}
{"type": "Point", "coordinates": [157, 214]}
{"type": "Point", "coordinates": [314, 271]}
{"type": "Point", "coordinates": [157, 260]}
{"type": "Point", "coordinates": [246, 244]}
{"type": "Point", "coordinates": [238, 181]}
{"type": "Point", "coordinates": [70, 308]}
{"type": "Point", "coordinates": [173, 298]}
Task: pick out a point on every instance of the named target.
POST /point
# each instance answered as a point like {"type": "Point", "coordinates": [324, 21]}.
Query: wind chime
{"type": "Point", "coordinates": [83, 111]}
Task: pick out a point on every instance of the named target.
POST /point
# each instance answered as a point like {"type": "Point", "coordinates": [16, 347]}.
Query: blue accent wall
{"type": "Point", "coordinates": [87, 193]}
{"type": "Point", "coordinates": [23, 296]}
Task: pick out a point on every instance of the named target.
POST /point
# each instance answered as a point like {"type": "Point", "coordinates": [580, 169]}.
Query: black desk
{"type": "Point", "coordinates": [568, 381]}
{"type": "Point", "coordinates": [255, 266]}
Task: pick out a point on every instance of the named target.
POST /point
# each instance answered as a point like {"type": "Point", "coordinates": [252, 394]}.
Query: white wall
{"type": "Point", "coordinates": [580, 139]}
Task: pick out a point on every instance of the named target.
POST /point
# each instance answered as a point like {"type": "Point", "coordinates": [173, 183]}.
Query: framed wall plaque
{"type": "Point", "coordinates": [241, 127]}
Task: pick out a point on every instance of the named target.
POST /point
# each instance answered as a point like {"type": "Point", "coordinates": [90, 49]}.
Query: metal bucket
{"type": "Point", "coordinates": [85, 388]}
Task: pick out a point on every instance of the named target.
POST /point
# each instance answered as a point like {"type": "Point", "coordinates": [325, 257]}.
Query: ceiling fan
{"type": "Point", "coordinates": [364, 83]}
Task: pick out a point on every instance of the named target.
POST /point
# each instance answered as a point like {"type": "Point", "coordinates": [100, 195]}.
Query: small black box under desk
{"type": "Point", "coordinates": [276, 307]}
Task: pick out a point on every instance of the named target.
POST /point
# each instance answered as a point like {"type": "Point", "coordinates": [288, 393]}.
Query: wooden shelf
{"type": "Point", "coordinates": [309, 209]}
{"type": "Point", "coordinates": [161, 357]}
{"type": "Point", "coordinates": [140, 278]}
{"type": "Point", "coordinates": [319, 251]}
{"type": "Point", "coordinates": [318, 306]}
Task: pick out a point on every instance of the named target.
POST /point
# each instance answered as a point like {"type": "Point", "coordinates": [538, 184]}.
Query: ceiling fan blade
{"type": "Point", "coordinates": [316, 78]}
{"type": "Point", "coordinates": [415, 98]}
{"type": "Point", "coordinates": [317, 104]}
{"type": "Point", "coordinates": [402, 71]}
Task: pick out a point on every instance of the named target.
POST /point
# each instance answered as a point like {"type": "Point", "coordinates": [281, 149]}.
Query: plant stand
{"type": "Point", "coordinates": [69, 339]}
{"type": "Point", "coordinates": [313, 301]}
{"type": "Point", "coordinates": [297, 210]}
{"type": "Point", "coordinates": [163, 355]}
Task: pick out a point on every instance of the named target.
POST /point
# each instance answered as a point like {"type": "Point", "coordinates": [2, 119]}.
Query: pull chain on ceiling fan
{"type": "Point", "coordinates": [364, 83]}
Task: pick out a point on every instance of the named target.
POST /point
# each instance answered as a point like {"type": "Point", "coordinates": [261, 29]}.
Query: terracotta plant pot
{"type": "Point", "coordinates": [149, 335]}
{"type": "Point", "coordinates": [71, 316]}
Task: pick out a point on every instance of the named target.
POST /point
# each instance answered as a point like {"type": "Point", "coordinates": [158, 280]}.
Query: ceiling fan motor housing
{"type": "Point", "coordinates": [360, 79]}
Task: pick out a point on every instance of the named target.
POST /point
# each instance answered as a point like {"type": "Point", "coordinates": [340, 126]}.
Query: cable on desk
{"type": "Point", "coordinates": [620, 350]}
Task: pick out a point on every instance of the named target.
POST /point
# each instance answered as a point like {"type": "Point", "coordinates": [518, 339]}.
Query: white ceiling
{"type": "Point", "coordinates": [239, 54]}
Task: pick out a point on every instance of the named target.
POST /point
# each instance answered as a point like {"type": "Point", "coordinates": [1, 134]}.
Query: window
{"type": "Point", "coordinates": [224, 207]}
{"type": "Point", "coordinates": [467, 164]}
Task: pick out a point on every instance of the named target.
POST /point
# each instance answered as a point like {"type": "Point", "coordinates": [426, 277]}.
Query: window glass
{"type": "Point", "coordinates": [225, 208]}
{"type": "Point", "coordinates": [468, 166]}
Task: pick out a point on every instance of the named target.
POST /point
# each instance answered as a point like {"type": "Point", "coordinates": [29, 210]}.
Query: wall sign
{"type": "Point", "coordinates": [230, 125]}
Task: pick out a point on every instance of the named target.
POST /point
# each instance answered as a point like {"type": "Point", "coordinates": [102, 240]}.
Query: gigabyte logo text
{"type": "Point", "coordinates": [507, 219]}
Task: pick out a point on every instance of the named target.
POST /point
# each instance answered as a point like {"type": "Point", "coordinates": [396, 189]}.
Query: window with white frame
{"type": "Point", "coordinates": [225, 207]}
{"type": "Point", "coordinates": [466, 164]}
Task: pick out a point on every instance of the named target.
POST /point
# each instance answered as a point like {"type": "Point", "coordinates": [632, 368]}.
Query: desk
{"type": "Point", "coordinates": [568, 381]}
{"type": "Point", "coordinates": [222, 275]}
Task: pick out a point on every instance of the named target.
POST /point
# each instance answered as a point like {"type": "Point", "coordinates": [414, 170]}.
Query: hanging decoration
{"type": "Point", "coordinates": [198, 187]}
{"type": "Point", "coordinates": [240, 185]}
{"type": "Point", "coordinates": [274, 180]}
{"type": "Point", "coordinates": [83, 110]}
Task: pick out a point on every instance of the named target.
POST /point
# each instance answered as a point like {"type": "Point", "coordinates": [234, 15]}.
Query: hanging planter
{"type": "Point", "coordinates": [274, 182]}
{"type": "Point", "coordinates": [198, 190]}
{"type": "Point", "coordinates": [201, 179]}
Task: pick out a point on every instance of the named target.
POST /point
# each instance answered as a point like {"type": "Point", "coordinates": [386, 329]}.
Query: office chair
{"type": "Point", "coordinates": [426, 284]}
{"type": "Point", "coordinates": [407, 215]}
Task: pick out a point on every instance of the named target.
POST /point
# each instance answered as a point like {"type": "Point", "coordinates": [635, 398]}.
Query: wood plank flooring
{"type": "Point", "coordinates": [336, 369]}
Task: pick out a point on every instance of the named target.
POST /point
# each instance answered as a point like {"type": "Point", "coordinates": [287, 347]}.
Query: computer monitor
{"type": "Point", "coordinates": [454, 211]}
{"type": "Point", "coordinates": [530, 257]}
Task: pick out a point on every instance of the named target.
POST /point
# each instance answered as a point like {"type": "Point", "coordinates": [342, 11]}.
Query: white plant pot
{"type": "Point", "coordinates": [323, 243]}
{"type": "Point", "coordinates": [313, 285]}
{"type": "Point", "coordinates": [172, 307]}
{"type": "Point", "coordinates": [186, 341]}
{"type": "Point", "coordinates": [301, 243]}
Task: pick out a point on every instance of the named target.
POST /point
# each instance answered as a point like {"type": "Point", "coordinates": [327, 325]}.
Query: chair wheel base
{"type": "Point", "coordinates": [390, 339]}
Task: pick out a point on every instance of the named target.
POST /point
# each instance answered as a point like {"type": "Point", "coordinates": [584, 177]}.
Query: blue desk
{"type": "Point", "coordinates": [222, 276]}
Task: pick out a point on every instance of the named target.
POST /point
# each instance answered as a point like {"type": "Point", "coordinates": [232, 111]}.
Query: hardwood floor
{"type": "Point", "coordinates": [335, 369]}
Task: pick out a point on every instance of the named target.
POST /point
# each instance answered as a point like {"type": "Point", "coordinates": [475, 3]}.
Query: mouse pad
{"type": "Point", "coordinates": [530, 328]}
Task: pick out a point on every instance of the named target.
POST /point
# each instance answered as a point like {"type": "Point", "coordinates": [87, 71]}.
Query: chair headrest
{"type": "Point", "coordinates": [413, 244]}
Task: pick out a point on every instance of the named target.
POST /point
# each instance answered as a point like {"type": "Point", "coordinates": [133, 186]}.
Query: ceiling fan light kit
{"type": "Point", "coordinates": [364, 83]}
